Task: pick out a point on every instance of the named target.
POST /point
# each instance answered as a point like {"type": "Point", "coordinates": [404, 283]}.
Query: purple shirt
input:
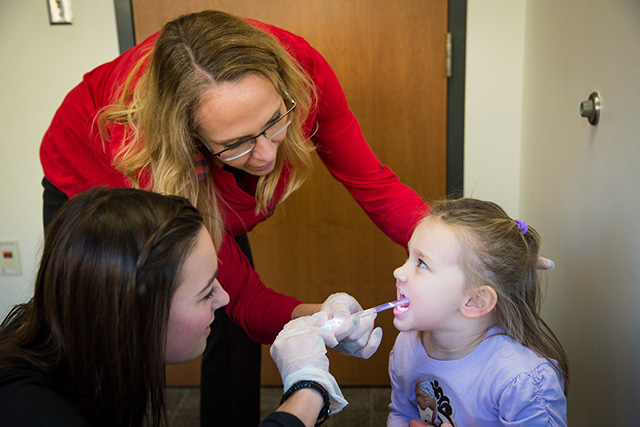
{"type": "Point", "coordinates": [501, 382]}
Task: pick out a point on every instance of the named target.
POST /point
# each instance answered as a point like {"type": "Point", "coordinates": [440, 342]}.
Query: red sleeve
{"type": "Point", "coordinates": [392, 206]}
{"type": "Point", "coordinates": [260, 311]}
{"type": "Point", "coordinates": [72, 153]}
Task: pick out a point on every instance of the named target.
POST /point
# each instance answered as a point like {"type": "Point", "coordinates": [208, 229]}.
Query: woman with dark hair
{"type": "Point", "coordinates": [127, 283]}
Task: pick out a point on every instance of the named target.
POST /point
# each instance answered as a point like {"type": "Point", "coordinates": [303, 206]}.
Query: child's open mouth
{"type": "Point", "coordinates": [401, 308]}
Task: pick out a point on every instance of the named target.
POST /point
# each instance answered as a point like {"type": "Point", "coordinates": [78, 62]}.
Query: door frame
{"type": "Point", "coordinates": [455, 83]}
{"type": "Point", "coordinates": [455, 98]}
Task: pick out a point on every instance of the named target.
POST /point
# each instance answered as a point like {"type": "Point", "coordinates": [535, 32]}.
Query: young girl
{"type": "Point", "coordinates": [473, 349]}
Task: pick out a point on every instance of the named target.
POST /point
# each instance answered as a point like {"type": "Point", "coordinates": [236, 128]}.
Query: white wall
{"type": "Point", "coordinates": [580, 187]}
{"type": "Point", "coordinates": [577, 184]}
{"type": "Point", "coordinates": [493, 99]}
{"type": "Point", "coordinates": [40, 64]}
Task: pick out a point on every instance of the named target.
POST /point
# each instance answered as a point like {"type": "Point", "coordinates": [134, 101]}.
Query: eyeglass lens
{"type": "Point", "coordinates": [270, 133]}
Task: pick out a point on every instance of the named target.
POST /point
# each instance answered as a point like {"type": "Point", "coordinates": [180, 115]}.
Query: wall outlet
{"type": "Point", "coordinates": [9, 258]}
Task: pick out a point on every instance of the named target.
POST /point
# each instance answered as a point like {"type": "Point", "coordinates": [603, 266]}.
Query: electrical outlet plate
{"type": "Point", "coordinates": [9, 258]}
{"type": "Point", "coordinates": [60, 12]}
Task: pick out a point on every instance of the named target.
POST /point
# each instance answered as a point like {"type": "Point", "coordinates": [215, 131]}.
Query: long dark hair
{"type": "Point", "coordinates": [96, 325]}
{"type": "Point", "coordinates": [496, 253]}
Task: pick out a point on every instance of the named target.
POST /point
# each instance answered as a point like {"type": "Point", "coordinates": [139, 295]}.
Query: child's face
{"type": "Point", "coordinates": [192, 308]}
{"type": "Point", "coordinates": [432, 279]}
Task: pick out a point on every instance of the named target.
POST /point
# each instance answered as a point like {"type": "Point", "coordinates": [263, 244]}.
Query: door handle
{"type": "Point", "coordinates": [591, 108]}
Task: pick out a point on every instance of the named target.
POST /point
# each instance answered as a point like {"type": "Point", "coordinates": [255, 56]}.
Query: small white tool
{"type": "Point", "coordinates": [335, 322]}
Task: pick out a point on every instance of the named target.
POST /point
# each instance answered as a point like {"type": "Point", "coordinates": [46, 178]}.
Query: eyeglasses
{"type": "Point", "coordinates": [245, 146]}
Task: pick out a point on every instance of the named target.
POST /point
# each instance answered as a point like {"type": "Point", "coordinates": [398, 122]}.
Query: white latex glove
{"type": "Point", "coordinates": [356, 336]}
{"type": "Point", "coordinates": [299, 352]}
{"type": "Point", "coordinates": [545, 264]}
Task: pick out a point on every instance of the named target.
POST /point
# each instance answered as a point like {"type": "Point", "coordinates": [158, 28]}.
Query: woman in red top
{"type": "Point", "coordinates": [221, 110]}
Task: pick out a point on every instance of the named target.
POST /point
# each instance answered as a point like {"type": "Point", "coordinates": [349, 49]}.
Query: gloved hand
{"type": "Point", "coordinates": [299, 352]}
{"type": "Point", "coordinates": [356, 336]}
{"type": "Point", "coordinates": [545, 264]}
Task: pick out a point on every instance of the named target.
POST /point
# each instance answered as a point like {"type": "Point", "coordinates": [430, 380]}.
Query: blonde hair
{"type": "Point", "coordinates": [158, 110]}
{"type": "Point", "coordinates": [496, 253]}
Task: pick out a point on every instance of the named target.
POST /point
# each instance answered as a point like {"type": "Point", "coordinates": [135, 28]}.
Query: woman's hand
{"type": "Point", "coordinates": [356, 336]}
{"type": "Point", "coordinates": [299, 352]}
{"type": "Point", "coordinates": [545, 264]}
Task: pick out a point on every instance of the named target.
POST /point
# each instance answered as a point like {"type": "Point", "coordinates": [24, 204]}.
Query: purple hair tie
{"type": "Point", "coordinates": [522, 227]}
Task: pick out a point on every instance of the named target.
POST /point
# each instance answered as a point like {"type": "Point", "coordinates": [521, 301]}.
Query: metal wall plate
{"type": "Point", "coordinates": [60, 12]}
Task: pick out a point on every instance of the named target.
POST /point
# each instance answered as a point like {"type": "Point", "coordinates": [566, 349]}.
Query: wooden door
{"type": "Point", "coordinates": [390, 58]}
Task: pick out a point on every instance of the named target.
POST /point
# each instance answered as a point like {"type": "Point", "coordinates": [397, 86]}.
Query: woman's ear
{"type": "Point", "coordinates": [482, 300]}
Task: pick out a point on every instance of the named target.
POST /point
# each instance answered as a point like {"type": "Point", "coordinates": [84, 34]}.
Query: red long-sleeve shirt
{"type": "Point", "coordinates": [74, 160]}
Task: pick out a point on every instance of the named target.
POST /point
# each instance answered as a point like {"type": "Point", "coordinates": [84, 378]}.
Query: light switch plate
{"type": "Point", "coordinates": [9, 258]}
{"type": "Point", "coordinates": [60, 12]}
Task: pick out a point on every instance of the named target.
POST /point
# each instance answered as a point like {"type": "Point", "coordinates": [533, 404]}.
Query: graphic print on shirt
{"type": "Point", "coordinates": [433, 404]}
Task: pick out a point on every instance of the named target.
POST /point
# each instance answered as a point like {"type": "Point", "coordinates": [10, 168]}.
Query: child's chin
{"type": "Point", "coordinates": [399, 324]}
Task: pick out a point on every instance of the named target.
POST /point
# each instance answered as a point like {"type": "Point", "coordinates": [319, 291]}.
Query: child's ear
{"type": "Point", "coordinates": [482, 300]}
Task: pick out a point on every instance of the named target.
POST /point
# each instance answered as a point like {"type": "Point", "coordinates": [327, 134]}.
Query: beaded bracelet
{"type": "Point", "coordinates": [326, 411]}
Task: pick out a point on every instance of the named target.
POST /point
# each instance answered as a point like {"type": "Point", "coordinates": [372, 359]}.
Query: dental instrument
{"type": "Point", "coordinates": [335, 322]}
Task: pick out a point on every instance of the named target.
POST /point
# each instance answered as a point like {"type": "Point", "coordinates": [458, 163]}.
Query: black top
{"type": "Point", "coordinates": [281, 419]}
{"type": "Point", "coordinates": [29, 399]}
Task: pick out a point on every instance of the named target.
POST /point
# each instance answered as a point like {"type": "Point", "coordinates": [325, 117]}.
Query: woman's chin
{"type": "Point", "coordinates": [261, 170]}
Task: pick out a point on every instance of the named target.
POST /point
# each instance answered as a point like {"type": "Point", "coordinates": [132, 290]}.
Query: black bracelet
{"type": "Point", "coordinates": [326, 410]}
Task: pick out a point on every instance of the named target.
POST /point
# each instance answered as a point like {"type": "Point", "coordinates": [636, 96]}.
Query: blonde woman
{"type": "Point", "coordinates": [221, 110]}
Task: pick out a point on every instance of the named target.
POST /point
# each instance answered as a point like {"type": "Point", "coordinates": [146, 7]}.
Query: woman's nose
{"type": "Point", "coordinates": [222, 299]}
{"type": "Point", "coordinates": [265, 149]}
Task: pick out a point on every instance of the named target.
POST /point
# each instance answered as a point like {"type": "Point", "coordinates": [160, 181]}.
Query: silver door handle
{"type": "Point", "coordinates": [591, 108]}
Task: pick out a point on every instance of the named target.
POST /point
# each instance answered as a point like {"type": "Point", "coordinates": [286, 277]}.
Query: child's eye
{"type": "Point", "coordinates": [422, 264]}
{"type": "Point", "coordinates": [210, 294]}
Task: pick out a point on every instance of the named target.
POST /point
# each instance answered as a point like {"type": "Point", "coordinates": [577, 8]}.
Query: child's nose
{"type": "Point", "coordinates": [399, 275]}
